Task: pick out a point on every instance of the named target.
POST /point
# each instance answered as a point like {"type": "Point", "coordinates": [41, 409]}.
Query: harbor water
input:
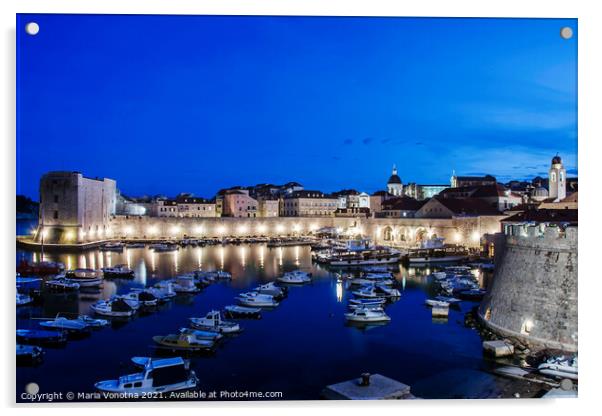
{"type": "Point", "coordinates": [297, 348]}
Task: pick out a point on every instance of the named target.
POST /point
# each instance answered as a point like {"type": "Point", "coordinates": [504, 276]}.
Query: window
{"type": "Point", "coordinates": [56, 199]}
{"type": "Point", "coordinates": [55, 215]}
{"type": "Point", "coordinates": [553, 177]}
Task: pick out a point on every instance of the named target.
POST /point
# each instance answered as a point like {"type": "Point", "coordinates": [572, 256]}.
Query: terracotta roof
{"type": "Point", "coordinates": [487, 191]}
{"type": "Point", "coordinates": [403, 203]}
{"type": "Point", "coordinates": [468, 206]}
{"type": "Point", "coordinates": [555, 216]}
{"type": "Point", "coordinates": [571, 198]}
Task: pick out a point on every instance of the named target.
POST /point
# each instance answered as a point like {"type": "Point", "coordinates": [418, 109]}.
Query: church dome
{"type": "Point", "coordinates": [394, 179]}
{"type": "Point", "coordinates": [556, 160]}
{"type": "Point", "coordinates": [540, 192]}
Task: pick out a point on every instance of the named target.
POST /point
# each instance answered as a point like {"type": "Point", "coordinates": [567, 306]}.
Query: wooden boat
{"type": "Point", "coordinates": [183, 342]}
{"type": "Point", "coordinates": [157, 376]}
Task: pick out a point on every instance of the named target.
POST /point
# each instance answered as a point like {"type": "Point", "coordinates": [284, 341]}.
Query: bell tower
{"type": "Point", "coordinates": [557, 179]}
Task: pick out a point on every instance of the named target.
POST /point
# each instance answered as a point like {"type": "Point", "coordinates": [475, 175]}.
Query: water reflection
{"type": "Point", "coordinates": [339, 291]}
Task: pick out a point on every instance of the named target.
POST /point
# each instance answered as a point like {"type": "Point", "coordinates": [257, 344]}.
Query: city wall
{"type": "Point", "coordinates": [401, 232]}
{"type": "Point", "coordinates": [533, 295]}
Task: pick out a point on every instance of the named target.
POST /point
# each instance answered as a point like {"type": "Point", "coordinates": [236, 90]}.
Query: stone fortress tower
{"type": "Point", "coordinates": [394, 185]}
{"type": "Point", "coordinates": [533, 296]}
{"type": "Point", "coordinates": [557, 180]}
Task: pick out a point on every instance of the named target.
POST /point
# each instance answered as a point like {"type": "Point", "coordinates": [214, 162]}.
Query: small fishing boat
{"type": "Point", "coordinates": [141, 297]}
{"type": "Point", "coordinates": [92, 322]}
{"type": "Point", "coordinates": [560, 367]}
{"type": "Point", "coordinates": [202, 335]}
{"type": "Point", "coordinates": [364, 301]}
{"type": "Point", "coordinates": [135, 245]}
{"type": "Point", "coordinates": [23, 299]}
{"type": "Point", "coordinates": [272, 289]}
{"type": "Point", "coordinates": [185, 284]}
{"type": "Point", "coordinates": [236, 311]}
{"type": "Point", "coordinates": [115, 246]}
{"type": "Point", "coordinates": [436, 303]}
{"type": "Point", "coordinates": [115, 307]}
{"type": "Point", "coordinates": [65, 324]}
{"type": "Point", "coordinates": [61, 284]}
{"type": "Point", "coordinates": [367, 315]}
{"type": "Point", "coordinates": [157, 376]}
{"type": "Point", "coordinates": [213, 321]}
{"type": "Point", "coordinates": [120, 271]}
{"type": "Point", "coordinates": [164, 248]}
{"type": "Point", "coordinates": [376, 305]}
{"type": "Point", "coordinates": [359, 281]}
{"type": "Point", "coordinates": [295, 277]}
{"type": "Point", "coordinates": [256, 299]}
{"type": "Point", "coordinates": [39, 336]}
{"type": "Point", "coordinates": [376, 291]}
{"type": "Point", "coordinates": [29, 354]}
{"type": "Point", "coordinates": [84, 277]}
{"type": "Point", "coordinates": [163, 290]}
{"type": "Point", "coordinates": [27, 280]}
{"type": "Point", "coordinates": [183, 342]}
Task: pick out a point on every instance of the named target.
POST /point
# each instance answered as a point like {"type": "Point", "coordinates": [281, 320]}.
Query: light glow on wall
{"type": "Point", "coordinates": [279, 228]}
{"type": "Point", "coordinates": [69, 235]}
{"type": "Point", "coordinates": [296, 228]}
{"type": "Point", "coordinates": [457, 237]}
{"type": "Point", "coordinates": [261, 228]}
{"type": "Point", "coordinates": [175, 229]}
{"type": "Point", "coordinates": [152, 230]}
{"type": "Point", "coordinates": [199, 229]}
{"type": "Point", "coordinates": [242, 229]}
{"type": "Point", "coordinates": [127, 230]}
{"type": "Point", "coordinates": [476, 237]}
{"type": "Point", "coordinates": [313, 227]}
{"type": "Point", "coordinates": [221, 230]}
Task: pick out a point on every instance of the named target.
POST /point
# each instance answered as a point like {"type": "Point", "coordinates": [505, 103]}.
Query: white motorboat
{"type": "Point", "coordinates": [439, 275]}
{"type": "Point", "coordinates": [84, 277]}
{"type": "Point", "coordinates": [367, 315]}
{"type": "Point", "coordinates": [376, 305]}
{"type": "Point", "coordinates": [213, 321]}
{"type": "Point", "coordinates": [61, 284]}
{"type": "Point", "coordinates": [135, 245]}
{"type": "Point", "coordinates": [120, 271]}
{"type": "Point", "coordinates": [363, 301]}
{"type": "Point", "coordinates": [436, 303]}
{"type": "Point", "coordinates": [92, 322]}
{"type": "Point", "coordinates": [64, 324]}
{"type": "Point", "coordinates": [163, 290]}
{"type": "Point", "coordinates": [360, 281]}
{"type": "Point", "coordinates": [272, 289]}
{"type": "Point", "coordinates": [185, 284]}
{"type": "Point", "coordinates": [143, 297]}
{"type": "Point", "coordinates": [560, 367]}
{"type": "Point", "coordinates": [376, 291]}
{"type": "Point", "coordinates": [256, 299]}
{"type": "Point", "coordinates": [23, 299]}
{"type": "Point", "coordinates": [115, 307]}
{"type": "Point", "coordinates": [295, 277]}
{"type": "Point", "coordinates": [158, 376]}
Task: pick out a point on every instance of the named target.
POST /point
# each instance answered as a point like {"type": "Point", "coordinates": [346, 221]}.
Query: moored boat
{"type": "Point", "coordinates": [23, 299]}
{"type": "Point", "coordinates": [29, 354]}
{"type": "Point", "coordinates": [256, 299]}
{"type": "Point", "coordinates": [364, 315]}
{"type": "Point", "coordinates": [120, 271]}
{"type": "Point", "coordinates": [115, 307]}
{"type": "Point", "coordinates": [84, 277]}
{"type": "Point", "coordinates": [183, 342]}
{"type": "Point", "coordinates": [213, 321]}
{"type": "Point", "coordinates": [40, 336]}
{"type": "Point", "coordinates": [236, 311]}
{"type": "Point", "coordinates": [277, 292]}
{"type": "Point", "coordinates": [65, 324]}
{"type": "Point", "coordinates": [42, 268]}
{"type": "Point", "coordinates": [157, 375]}
{"type": "Point", "coordinates": [61, 284]}
{"type": "Point", "coordinates": [560, 367]}
{"type": "Point", "coordinates": [295, 277]}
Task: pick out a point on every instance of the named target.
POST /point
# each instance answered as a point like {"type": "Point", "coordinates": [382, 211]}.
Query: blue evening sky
{"type": "Point", "coordinates": [169, 104]}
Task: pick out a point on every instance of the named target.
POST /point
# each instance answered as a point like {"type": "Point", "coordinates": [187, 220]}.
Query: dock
{"type": "Point", "coordinates": [368, 387]}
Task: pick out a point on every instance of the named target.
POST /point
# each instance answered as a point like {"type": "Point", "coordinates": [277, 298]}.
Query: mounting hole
{"type": "Point", "coordinates": [566, 33]}
{"type": "Point", "coordinates": [32, 28]}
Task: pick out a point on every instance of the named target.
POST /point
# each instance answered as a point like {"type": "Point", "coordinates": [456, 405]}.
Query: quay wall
{"type": "Point", "coordinates": [533, 295]}
{"type": "Point", "coordinates": [394, 231]}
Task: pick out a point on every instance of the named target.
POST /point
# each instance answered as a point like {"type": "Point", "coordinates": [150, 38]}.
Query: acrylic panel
{"type": "Point", "coordinates": [219, 208]}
